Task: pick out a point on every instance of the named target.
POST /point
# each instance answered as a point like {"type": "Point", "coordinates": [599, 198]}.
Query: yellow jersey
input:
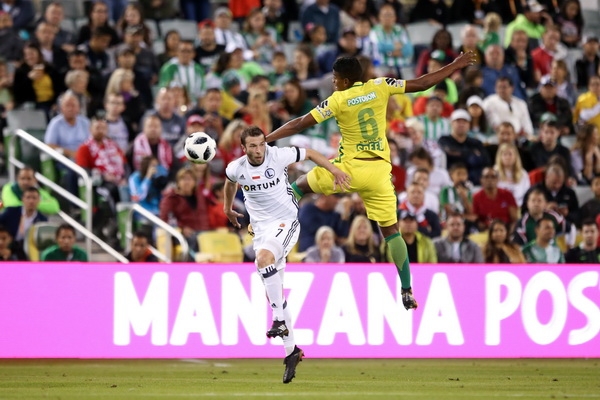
{"type": "Point", "coordinates": [585, 101]}
{"type": "Point", "coordinates": [360, 112]}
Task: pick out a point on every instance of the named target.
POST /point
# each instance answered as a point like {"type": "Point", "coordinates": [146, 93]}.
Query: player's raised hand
{"type": "Point", "coordinates": [341, 180]}
{"type": "Point", "coordinates": [233, 217]}
{"type": "Point", "coordinates": [465, 59]}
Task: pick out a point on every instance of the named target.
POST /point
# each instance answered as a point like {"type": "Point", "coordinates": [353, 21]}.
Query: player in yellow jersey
{"type": "Point", "coordinates": [364, 154]}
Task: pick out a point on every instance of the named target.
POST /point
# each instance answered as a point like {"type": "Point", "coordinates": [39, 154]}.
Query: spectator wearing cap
{"type": "Point", "coordinates": [587, 108]}
{"type": "Point", "coordinates": [440, 91]}
{"type": "Point", "coordinates": [550, 49]}
{"type": "Point", "coordinates": [435, 125]}
{"type": "Point", "coordinates": [456, 247]}
{"type": "Point", "coordinates": [428, 220]}
{"type": "Point", "coordinates": [547, 101]}
{"type": "Point", "coordinates": [495, 68]}
{"type": "Point", "coordinates": [492, 202]}
{"type": "Point", "coordinates": [324, 13]}
{"type": "Point", "coordinates": [459, 147]}
{"type": "Point", "coordinates": [518, 55]}
{"type": "Point", "coordinates": [587, 65]}
{"type": "Point", "coordinates": [436, 61]}
{"type": "Point", "coordinates": [419, 247]}
{"type": "Point", "coordinates": [225, 36]}
{"type": "Point", "coordinates": [184, 70]}
{"type": "Point", "coordinates": [208, 50]}
{"type": "Point", "coordinates": [533, 21]}
{"type": "Point", "coordinates": [504, 106]}
{"type": "Point", "coordinates": [394, 47]}
{"type": "Point", "coordinates": [479, 125]}
{"type": "Point", "coordinates": [346, 47]}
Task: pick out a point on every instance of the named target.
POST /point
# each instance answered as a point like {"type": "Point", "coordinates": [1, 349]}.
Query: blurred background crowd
{"type": "Point", "coordinates": [498, 163]}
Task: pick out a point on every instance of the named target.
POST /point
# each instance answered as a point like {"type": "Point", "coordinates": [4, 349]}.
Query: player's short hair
{"type": "Point", "coordinates": [348, 68]}
{"type": "Point", "coordinates": [252, 131]}
{"type": "Point", "coordinates": [63, 227]}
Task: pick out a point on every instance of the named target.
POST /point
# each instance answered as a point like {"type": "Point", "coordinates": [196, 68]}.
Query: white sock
{"type": "Point", "coordinates": [274, 288]}
{"type": "Point", "coordinates": [288, 341]}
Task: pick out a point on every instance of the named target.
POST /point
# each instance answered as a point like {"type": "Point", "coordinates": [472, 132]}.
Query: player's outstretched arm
{"type": "Point", "coordinates": [341, 179]}
{"type": "Point", "coordinates": [426, 81]}
{"type": "Point", "coordinates": [229, 193]}
{"type": "Point", "coordinates": [292, 127]}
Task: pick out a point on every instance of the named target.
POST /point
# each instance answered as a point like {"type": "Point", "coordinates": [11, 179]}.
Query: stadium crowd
{"type": "Point", "coordinates": [489, 165]}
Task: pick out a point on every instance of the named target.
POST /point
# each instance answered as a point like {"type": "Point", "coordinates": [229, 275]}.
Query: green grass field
{"type": "Point", "coordinates": [315, 379]}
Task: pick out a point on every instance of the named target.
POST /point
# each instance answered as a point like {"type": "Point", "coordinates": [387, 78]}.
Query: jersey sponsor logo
{"type": "Point", "coordinates": [270, 173]}
{"type": "Point", "coordinates": [361, 99]}
{"type": "Point", "coordinates": [261, 186]}
{"type": "Point", "coordinates": [322, 109]}
{"type": "Point", "coordinates": [394, 82]}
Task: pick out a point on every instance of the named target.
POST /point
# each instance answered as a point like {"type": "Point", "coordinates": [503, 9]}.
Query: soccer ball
{"type": "Point", "coordinates": [199, 148]}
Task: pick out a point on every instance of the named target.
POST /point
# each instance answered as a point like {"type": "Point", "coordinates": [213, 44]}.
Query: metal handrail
{"type": "Point", "coordinates": [86, 205]}
{"type": "Point", "coordinates": [185, 248]}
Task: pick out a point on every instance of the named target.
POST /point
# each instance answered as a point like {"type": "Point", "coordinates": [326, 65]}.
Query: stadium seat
{"type": "Point", "coordinates": [158, 46]}
{"type": "Point", "coordinates": [295, 32]}
{"type": "Point", "coordinates": [584, 194]}
{"type": "Point", "coordinates": [79, 22]}
{"type": "Point", "coordinates": [455, 30]}
{"type": "Point", "coordinates": [295, 256]}
{"type": "Point", "coordinates": [187, 29]}
{"type": "Point", "coordinates": [217, 246]}
{"type": "Point", "coordinates": [480, 238]}
{"type": "Point", "coordinates": [39, 237]}
{"type": "Point", "coordinates": [153, 28]}
{"type": "Point", "coordinates": [26, 119]}
{"type": "Point", "coordinates": [421, 32]}
{"type": "Point", "coordinates": [48, 168]}
{"type": "Point", "coordinates": [68, 24]}
{"type": "Point", "coordinates": [163, 240]}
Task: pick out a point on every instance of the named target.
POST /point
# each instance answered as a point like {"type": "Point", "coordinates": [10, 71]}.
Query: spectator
{"type": "Point", "coordinates": [54, 15]}
{"type": "Point", "coordinates": [11, 44]}
{"type": "Point", "coordinates": [536, 208]}
{"type": "Point", "coordinates": [140, 249]}
{"type": "Point", "coordinates": [22, 13]}
{"type": "Point", "coordinates": [132, 17]}
{"type": "Point", "coordinates": [147, 183]}
{"type": "Point", "coordinates": [324, 13]}
{"type": "Point", "coordinates": [560, 197]}
{"type": "Point", "coordinates": [428, 220]}
{"type": "Point", "coordinates": [145, 66]}
{"type": "Point", "coordinates": [159, 10]}
{"type": "Point", "coordinates": [96, 50]}
{"type": "Point", "coordinates": [570, 23]}
{"type": "Point", "coordinates": [472, 86]}
{"type": "Point", "coordinates": [17, 220]}
{"type": "Point", "coordinates": [65, 248]}
{"type": "Point", "coordinates": [280, 73]}
{"type": "Point", "coordinates": [119, 130]}
{"type": "Point", "coordinates": [346, 47]}
{"type": "Point", "coordinates": [208, 50]}
{"type": "Point", "coordinates": [495, 69]}
{"type": "Point", "coordinates": [322, 212]}
{"type": "Point", "coordinates": [470, 11]}
{"type": "Point", "coordinates": [315, 37]}
{"type": "Point", "coordinates": [587, 65]}
{"type": "Point", "coordinates": [587, 108]}
{"type": "Point", "coordinates": [469, 36]}
{"type": "Point", "coordinates": [69, 129]}
{"type": "Point", "coordinates": [171, 40]}
{"type": "Point", "coordinates": [592, 207]}
{"type": "Point", "coordinates": [293, 103]}
{"type": "Point", "coordinates": [518, 55]}
{"type": "Point", "coordinates": [37, 81]}
{"type": "Point", "coordinates": [98, 18]}
{"type": "Point", "coordinates": [505, 132]}
{"type": "Point", "coordinates": [547, 101]}
{"type": "Point", "coordinates": [76, 82]}
{"type": "Point", "coordinates": [185, 207]}
{"type": "Point", "coordinates": [548, 145]}
{"type": "Point", "coordinates": [491, 29]}
{"type": "Point", "coordinates": [416, 132]}
{"type": "Point", "coordinates": [6, 247]}
{"type": "Point", "coordinates": [437, 177]}
{"type": "Point", "coordinates": [229, 145]}
{"type": "Point", "coordinates": [173, 125]}
{"type": "Point", "coordinates": [121, 83]}
{"type": "Point", "coordinates": [587, 252]}
{"type": "Point", "coordinates": [214, 122]}
{"type": "Point", "coordinates": [184, 70]}
{"type": "Point", "coordinates": [457, 198]}
{"type": "Point", "coordinates": [360, 247]}
{"type": "Point", "coordinates": [511, 175]}
{"type": "Point", "coordinates": [559, 73]}
{"type": "Point", "coordinates": [435, 126]}
{"type": "Point", "coordinates": [53, 54]}
{"type": "Point", "coordinates": [442, 40]}
{"type": "Point", "coordinates": [505, 106]}
{"type": "Point", "coordinates": [436, 12]}
{"type": "Point", "coordinates": [12, 193]}
{"type": "Point", "coordinates": [459, 147]}
{"type": "Point", "coordinates": [226, 36]}
{"type": "Point", "coordinates": [421, 177]}
{"type": "Point", "coordinates": [533, 21]}
{"type": "Point", "coordinates": [260, 38]}
{"type": "Point", "coordinates": [439, 91]}
{"type": "Point", "coordinates": [324, 250]}
{"type": "Point", "coordinates": [151, 142]}
{"type": "Point", "coordinates": [391, 40]}
{"type": "Point", "coordinates": [585, 154]}
{"type": "Point", "coordinates": [419, 247]}
{"type": "Point", "coordinates": [499, 249]}
{"type": "Point", "coordinates": [304, 68]}
{"type": "Point", "coordinates": [96, 83]}
{"type": "Point", "coordinates": [550, 49]}
{"type": "Point", "coordinates": [456, 248]}
{"type": "Point", "coordinates": [479, 123]}
{"type": "Point", "coordinates": [542, 249]}
{"type": "Point", "coordinates": [492, 203]}
{"type": "Point", "coordinates": [354, 11]}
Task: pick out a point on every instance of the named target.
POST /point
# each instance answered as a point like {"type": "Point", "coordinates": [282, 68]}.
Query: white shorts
{"type": "Point", "coordinates": [278, 237]}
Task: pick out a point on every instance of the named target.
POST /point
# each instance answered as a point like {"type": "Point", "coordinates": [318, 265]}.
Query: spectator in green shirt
{"type": "Point", "coordinates": [533, 21]}
{"type": "Point", "coordinates": [12, 193]}
{"type": "Point", "coordinates": [542, 249]}
{"type": "Point", "coordinates": [65, 249]}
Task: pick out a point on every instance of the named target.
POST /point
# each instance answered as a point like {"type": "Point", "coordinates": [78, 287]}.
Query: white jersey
{"type": "Point", "coordinates": [267, 192]}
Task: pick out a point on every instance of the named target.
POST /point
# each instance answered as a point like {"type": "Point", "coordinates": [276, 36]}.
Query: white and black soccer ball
{"type": "Point", "coordinates": [199, 148]}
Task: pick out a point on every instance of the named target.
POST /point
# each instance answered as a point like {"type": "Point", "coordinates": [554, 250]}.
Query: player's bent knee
{"type": "Point", "coordinates": [264, 257]}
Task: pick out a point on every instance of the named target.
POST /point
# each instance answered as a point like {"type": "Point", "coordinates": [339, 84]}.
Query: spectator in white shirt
{"type": "Point", "coordinates": [504, 107]}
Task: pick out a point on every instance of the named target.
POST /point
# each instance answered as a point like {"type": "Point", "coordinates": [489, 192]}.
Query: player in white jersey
{"type": "Point", "coordinates": [273, 208]}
